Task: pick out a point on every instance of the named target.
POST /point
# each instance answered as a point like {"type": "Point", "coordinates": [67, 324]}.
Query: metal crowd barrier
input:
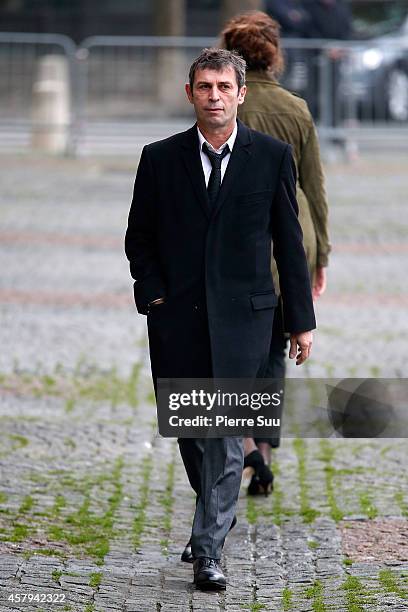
{"type": "Point", "coordinates": [25, 74]}
{"type": "Point", "coordinates": [113, 94]}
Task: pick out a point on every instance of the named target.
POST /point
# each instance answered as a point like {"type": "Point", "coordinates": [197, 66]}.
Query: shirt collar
{"type": "Point", "coordinates": [230, 142]}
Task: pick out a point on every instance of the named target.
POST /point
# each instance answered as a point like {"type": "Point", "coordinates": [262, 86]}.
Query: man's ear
{"type": "Point", "coordinates": [241, 94]}
{"type": "Point", "coordinates": [189, 92]}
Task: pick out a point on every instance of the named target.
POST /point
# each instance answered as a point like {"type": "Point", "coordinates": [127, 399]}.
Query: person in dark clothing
{"type": "Point", "coordinates": [208, 204]}
{"type": "Point", "coordinates": [331, 20]}
{"type": "Point", "coordinates": [294, 22]}
{"type": "Point", "coordinates": [291, 15]}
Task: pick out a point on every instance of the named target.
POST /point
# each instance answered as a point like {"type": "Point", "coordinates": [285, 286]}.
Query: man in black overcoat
{"type": "Point", "coordinates": [207, 205]}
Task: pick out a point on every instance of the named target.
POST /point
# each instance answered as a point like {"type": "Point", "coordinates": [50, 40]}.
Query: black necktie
{"type": "Point", "coordinates": [214, 182]}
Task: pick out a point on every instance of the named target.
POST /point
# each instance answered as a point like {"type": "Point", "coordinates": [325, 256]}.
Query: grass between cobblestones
{"type": "Point", "coordinates": [287, 599]}
{"type": "Point", "coordinates": [252, 511]}
{"type": "Point", "coordinates": [402, 504]}
{"type": "Point", "coordinates": [317, 424]}
{"type": "Point", "coordinates": [82, 530]}
{"type": "Point", "coordinates": [95, 580]}
{"type": "Point", "coordinates": [326, 455]}
{"type": "Point", "coordinates": [315, 593]}
{"type": "Point", "coordinates": [56, 575]}
{"type": "Point", "coordinates": [277, 497]}
{"type": "Point", "coordinates": [86, 529]}
{"type": "Point", "coordinates": [367, 505]}
{"type": "Point", "coordinates": [166, 500]}
{"type": "Point", "coordinates": [388, 580]}
{"type": "Point", "coordinates": [332, 475]}
{"type": "Point", "coordinates": [355, 594]}
{"type": "Point", "coordinates": [84, 382]}
{"type": "Point", "coordinates": [139, 521]}
{"type": "Point", "coordinates": [307, 513]}
{"type": "Point", "coordinates": [14, 443]}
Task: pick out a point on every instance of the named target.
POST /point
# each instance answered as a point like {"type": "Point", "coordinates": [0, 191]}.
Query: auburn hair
{"type": "Point", "coordinates": [256, 37]}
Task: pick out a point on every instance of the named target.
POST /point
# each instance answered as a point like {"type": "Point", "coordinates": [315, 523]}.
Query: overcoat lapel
{"type": "Point", "coordinates": [192, 161]}
{"type": "Point", "coordinates": [239, 157]}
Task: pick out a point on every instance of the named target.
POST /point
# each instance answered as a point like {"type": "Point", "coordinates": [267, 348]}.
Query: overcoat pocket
{"type": "Point", "coordinates": [261, 301]}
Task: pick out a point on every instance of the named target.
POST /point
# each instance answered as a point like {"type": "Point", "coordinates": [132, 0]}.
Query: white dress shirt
{"type": "Point", "coordinates": [204, 158]}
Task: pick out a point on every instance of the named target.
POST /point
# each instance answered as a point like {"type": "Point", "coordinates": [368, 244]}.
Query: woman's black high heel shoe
{"type": "Point", "coordinates": [262, 481]}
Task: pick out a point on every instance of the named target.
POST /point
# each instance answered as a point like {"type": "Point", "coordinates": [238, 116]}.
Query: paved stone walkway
{"type": "Point", "coordinates": [95, 507]}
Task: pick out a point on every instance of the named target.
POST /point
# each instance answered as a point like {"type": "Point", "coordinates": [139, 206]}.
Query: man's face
{"type": "Point", "coordinates": [215, 97]}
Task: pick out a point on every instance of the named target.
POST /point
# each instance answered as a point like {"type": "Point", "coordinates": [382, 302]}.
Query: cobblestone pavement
{"type": "Point", "coordinates": [95, 507]}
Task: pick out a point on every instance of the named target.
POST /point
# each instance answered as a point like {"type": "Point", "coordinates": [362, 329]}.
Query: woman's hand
{"type": "Point", "coordinates": [319, 286]}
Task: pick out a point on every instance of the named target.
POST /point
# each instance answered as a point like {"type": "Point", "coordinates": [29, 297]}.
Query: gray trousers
{"type": "Point", "coordinates": [214, 469]}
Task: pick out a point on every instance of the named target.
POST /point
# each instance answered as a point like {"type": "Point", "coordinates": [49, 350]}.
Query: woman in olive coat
{"type": "Point", "coordinates": [270, 108]}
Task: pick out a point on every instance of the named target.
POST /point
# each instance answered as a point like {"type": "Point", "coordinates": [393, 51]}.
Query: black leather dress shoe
{"type": "Point", "coordinates": [208, 575]}
{"type": "Point", "coordinates": [187, 555]}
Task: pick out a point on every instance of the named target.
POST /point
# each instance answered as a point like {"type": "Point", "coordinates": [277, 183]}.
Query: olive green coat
{"type": "Point", "coordinates": [270, 108]}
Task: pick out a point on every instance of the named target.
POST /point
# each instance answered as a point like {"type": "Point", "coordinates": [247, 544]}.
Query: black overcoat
{"type": "Point", "coordinates": [176, 244]}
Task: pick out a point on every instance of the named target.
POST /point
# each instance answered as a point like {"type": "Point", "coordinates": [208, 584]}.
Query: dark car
{"type": "Point", "coordinates": [376, 73]}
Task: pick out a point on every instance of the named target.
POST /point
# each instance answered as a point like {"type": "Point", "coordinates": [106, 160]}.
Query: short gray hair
{"type": "Point", "coordinates": [217, 59]}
